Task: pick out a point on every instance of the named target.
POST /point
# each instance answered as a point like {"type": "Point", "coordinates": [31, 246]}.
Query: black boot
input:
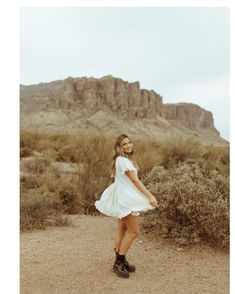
{"type": "Point", "coordinates": [119, 266]}
{"type": "Point", "coordinates": [130, 267]}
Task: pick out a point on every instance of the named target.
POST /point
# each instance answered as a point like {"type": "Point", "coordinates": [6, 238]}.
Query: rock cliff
{"type": "Point", "coordinates": [110, 104]}
{"type": "Point", "coordinates": [191, 114]}
{"type": "Point", "coordinates": [107, 93]}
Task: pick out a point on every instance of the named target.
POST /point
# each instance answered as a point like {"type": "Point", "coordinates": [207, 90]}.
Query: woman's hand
{"type": "Point", "coordinates": [153, 201]}
{"type": "Point", "coordinates": [141, 187]}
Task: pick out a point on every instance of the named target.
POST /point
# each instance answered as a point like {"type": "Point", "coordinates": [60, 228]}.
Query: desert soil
{"type": "Point", "coordinates": [78, 259]}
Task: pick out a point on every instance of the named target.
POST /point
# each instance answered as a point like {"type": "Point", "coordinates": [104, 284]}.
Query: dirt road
{"type": "Point", "coordinates": [78, 260]}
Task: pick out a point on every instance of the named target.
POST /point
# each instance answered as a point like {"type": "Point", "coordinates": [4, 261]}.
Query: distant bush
{"type": "Point", "coordinates": [40, 141]}
{"type": "Point", "coordinates": [217, 158]}
{"type": "Point", "coordinates": [147, 155]}
{"type": "Point", "coordinates": [69, 153]}
{"type": "Point", "coordinates": [70, 198]}
{"type": "Point", "coordinates": [30, 182]}
{"type": "Point", "coordinates": [40, 208]}
{"type": "Point", "coordinates": [29, 139]}
{"type": "Point", "coordinates": [177, 150]}
{"type": "Point", "coordinates": [49, 153]}
{"type": "Point", "coordinates": [37, 165]}
{"type": "Point", "coordinates": [194, 203]}
{"type": "Point", "coordinates": [25, 151]}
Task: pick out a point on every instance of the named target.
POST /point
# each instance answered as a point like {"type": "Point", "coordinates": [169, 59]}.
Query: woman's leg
{"type": "Point", "coordinates": [132, 224]}
{"type": "Point", "coordinates": [121, 230]}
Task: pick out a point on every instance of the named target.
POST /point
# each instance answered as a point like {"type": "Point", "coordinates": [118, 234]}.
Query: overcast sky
{"type": "Point", "coordinates": [181, 53]}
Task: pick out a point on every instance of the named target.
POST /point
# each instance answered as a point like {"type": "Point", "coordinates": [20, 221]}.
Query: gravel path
{"type": "Point", "coordinates": [78, 260]}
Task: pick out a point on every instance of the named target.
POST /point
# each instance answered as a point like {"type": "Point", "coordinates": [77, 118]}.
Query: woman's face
{"type": "Point", "coordinates": [127, 145]}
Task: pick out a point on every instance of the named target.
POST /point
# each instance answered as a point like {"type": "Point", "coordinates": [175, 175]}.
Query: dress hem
{"type": "Point", "coordinates": [106, 212]}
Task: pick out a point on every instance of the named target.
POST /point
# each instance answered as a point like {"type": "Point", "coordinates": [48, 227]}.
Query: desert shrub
{"type": "Point", "coordinates": [90, 186]}
{"type": "Point", "coordinates": [30, 182]}
{"type": "Point", "coordinates": [147, 155]}
{"type": "Point", "coordinates": [95, 159]}
{"type": "Point", "coordinates": [37, 165]}
{"type": "Point", "coordinates": [69, 153]}
{"type": "Point", "coordinates": [40, 208]}
{"type": "Point", "coordinates": [217, 157]}
{"type": "Point", "coordinates": [40, 141]}
{"type": "Point", "coordinates": [50, 153]}
{"type": "Point", "coordinates": [45, 199]}
{"type": "Point", "coordinates": [57, 141]}
{"type": "Point", "coordinates": [70, 198]}
{"type": "Point", "coordinates": [29, 139]}
{"type": "Point", "coordinates": [175, 150]}
{"type": "Point", "coordinates": [52, 181]}
{"type": "Point", "coordinates": [92, 152]}
{"type": "Point", "coordinates": [25, 151]}
{"type": "Point", "coordinates": [91, 182]}
{"type": "Point", "coordinates": [66, 191]}
{"type": "Point", "coordinates": [194, 203]}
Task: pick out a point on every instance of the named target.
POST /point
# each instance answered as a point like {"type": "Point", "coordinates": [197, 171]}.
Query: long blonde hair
{"type": "Point", "coordinates": [117, 150]}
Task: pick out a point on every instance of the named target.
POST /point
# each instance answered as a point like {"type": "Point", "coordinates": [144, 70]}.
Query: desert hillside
{"type": "Point", "coordinates": [113, 106]}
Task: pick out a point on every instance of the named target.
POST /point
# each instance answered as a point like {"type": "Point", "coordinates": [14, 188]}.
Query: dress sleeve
{"type": "Point", "coordinates": [124, 164]}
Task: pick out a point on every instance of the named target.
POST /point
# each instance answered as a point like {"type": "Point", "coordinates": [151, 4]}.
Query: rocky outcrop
{"type": "Point", "coordinates": [114, 94]}
{"type": "Point", "coordinates": [107, 94]}
{"type": "Point", "coordinates": [191, 114]}
{"type": "Point", "coordinates": [111, 105]}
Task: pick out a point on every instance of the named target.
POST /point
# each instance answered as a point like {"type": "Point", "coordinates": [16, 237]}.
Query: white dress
{"type": "Point", "coordinates": [122, 197]}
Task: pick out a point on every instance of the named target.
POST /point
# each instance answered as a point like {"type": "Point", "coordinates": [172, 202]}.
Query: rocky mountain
{"type": "Point", "coordinates": [113, 106]}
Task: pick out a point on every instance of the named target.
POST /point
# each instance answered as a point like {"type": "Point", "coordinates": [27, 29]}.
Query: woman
{"type": "Point", "coordinates": [124, 199]}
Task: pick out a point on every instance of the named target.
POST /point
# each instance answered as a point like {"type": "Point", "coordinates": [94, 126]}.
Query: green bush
{"type": "Point", "coordinates": [194, 203]}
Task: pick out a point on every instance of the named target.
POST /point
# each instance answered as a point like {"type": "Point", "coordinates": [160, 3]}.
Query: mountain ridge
{"type": "Point", "coordinates": [73, 104]}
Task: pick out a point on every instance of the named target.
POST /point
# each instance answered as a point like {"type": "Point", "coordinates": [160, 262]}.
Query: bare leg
{"type": "Point", "coordinates": [121, 230]}
{"type": "Point", "coordinates": [132, 224]}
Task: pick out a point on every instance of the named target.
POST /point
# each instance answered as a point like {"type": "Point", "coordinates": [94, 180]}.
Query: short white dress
{"type": "Point", "coordinates": [122, 197]}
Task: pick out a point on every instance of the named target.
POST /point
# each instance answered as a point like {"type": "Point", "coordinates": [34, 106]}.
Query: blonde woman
{"type": "Point", "coordinates": [124, 199]}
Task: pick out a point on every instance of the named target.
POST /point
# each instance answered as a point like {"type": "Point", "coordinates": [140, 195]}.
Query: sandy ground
{"type": "Point", "coordinates": [79, 258]}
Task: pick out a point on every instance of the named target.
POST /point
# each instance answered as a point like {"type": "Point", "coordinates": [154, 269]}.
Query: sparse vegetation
{"type": "Point", "coordinates": [40, 208]}
{"type": "Point", "coordinates": [25, 151]}
{"type": "Point", "coordinates": [190, 180]}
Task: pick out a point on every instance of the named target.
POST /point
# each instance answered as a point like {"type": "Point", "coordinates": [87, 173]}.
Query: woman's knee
{"type": "Point", "coordinates": [132, 226]}
{"type": "Point", "coordinates": [134, 233]}
{"type": "Point", "coordinates": [122, 226]}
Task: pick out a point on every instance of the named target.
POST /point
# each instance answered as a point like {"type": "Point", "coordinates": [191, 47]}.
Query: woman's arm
{"type": "Point", "coordinates": [141, 187]}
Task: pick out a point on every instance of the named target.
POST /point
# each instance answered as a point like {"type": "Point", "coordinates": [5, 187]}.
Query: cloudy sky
{"type": "Point", "coordinates": [182, 53]}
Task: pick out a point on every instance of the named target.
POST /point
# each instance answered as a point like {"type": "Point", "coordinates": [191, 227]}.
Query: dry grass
{"type": "Point", "coordinates": [202, 183]}
{"type": "Point", "coordinates": [40, 208]}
